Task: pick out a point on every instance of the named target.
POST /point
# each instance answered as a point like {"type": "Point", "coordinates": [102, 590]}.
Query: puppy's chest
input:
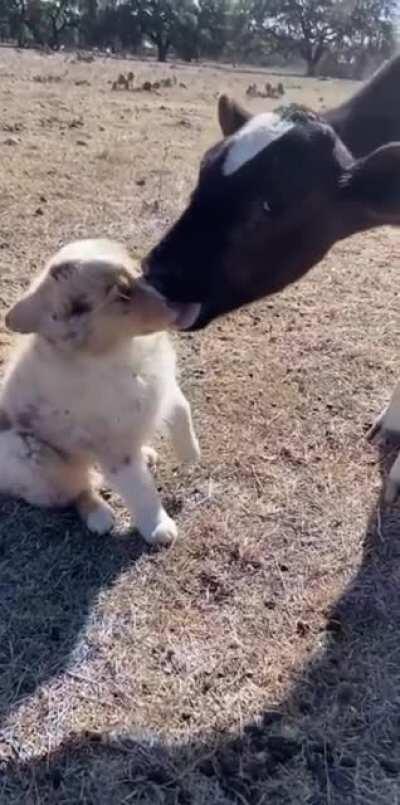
{"type": "Point", "coordinates": [85, 413]}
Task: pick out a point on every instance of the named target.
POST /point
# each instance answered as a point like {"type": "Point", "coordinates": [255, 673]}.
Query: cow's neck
{"type": "Point", "coordinates": [371, 117]}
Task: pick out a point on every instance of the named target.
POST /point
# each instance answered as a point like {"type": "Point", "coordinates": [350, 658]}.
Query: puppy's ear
{"type": "Point", "coordinates": [25, 316]}
{"type": "Point", "coordinates": [64, 270]}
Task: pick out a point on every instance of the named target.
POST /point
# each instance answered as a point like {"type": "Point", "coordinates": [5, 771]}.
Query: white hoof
{"type": "Point", "coordinates": [100, 520]}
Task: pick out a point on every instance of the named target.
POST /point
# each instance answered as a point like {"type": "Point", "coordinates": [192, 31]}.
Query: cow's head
{"type": "Point", "coordinates": [272, 197]}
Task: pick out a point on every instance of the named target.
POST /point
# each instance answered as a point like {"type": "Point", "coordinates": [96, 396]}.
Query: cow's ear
{"type": "Point", "coordinates": [374, 183]}
{"type": "Point", "coordinates": [231, 116]}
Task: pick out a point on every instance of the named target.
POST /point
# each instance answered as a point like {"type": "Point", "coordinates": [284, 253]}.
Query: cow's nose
{"type": "Point", "coordinates": [152, 272]}
{"type": "Point", "coordinates": [162, 275]}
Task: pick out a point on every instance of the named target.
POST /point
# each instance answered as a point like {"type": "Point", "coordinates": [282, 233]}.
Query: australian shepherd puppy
{"type": "Point", "coordinates": [89, 386]}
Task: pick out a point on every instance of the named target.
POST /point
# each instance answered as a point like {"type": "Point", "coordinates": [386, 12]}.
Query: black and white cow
{"type": "Point", "coordinates": [275, 194]}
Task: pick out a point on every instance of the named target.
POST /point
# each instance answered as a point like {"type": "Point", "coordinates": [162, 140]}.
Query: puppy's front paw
{"type": "Point", "coordinates": [386, 427]}
{"type": "Point", "coordinates": [100, 520]}
{"type": "Point", "coordinates": [191, 454]}
{"type": "Point", "coordinates": [375, 430]}
{"type": "Point", "coordinates": [391, 491]}
{"type": "Point", "coordinates": [150, 456]}
{"type": "Point", "coordinates": [164, 533]}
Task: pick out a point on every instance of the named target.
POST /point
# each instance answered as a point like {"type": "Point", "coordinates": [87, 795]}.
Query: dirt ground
{"type": "Point", "coordinates": [258, 660]}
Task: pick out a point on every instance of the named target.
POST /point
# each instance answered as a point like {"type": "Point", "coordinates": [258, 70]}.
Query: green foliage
{"type": "Point", "coordinates": [313, 27]}
{"type": "Point", "coordinates": [350, 32]}
{"type": "Point", "coordinates": [169, 22]}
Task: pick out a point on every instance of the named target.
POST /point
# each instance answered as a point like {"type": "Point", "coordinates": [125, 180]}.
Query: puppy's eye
{"type": "Point", "coordinates": [124, 291]}
{"type": "Point", "coordinates": [79, 307]}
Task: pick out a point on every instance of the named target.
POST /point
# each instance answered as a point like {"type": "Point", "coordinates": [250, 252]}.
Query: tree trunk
{"type": "Point", "coordinates": [162, 50]}
{"type": "Point", "coordinates": [311, 68]}
{"type": "Point", "coordinates": [313, 60]}
{"type": "Point", "coordinates": [313, 57]}
{"type": "Point", "coordinates": [54, 38]}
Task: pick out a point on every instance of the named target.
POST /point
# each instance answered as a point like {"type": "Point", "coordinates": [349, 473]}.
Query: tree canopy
{"type": "Point", "coordinates": [348, 31]}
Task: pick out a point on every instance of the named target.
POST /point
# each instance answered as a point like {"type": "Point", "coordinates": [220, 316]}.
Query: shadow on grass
{"type": "Point", "coordinates": [51, 572]}
{"type": "Point", "coordinates": [334, 740]}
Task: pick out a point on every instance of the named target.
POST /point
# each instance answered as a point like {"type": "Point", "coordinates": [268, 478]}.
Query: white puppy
{"type": "Point", "coordinates": [91, 385]}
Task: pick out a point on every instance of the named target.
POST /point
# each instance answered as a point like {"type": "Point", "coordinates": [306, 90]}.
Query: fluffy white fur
{"type": "Point", "coordinates": [387, 425]}
{"type": "Point", "coordinates": [90, 385]}
{"type": "Point", "coordinates": [253, 137]}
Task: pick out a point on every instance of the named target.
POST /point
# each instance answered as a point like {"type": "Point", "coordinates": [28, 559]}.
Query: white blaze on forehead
{"type": "Point", "coordinates": [252, 138]}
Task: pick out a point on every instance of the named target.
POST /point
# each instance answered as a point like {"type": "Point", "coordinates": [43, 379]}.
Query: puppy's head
{"type": "Point", "coordinates": [90, 297]}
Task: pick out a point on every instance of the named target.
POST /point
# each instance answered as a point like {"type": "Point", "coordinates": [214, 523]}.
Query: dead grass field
{"type": "Point", "coordinates": [258, 661]}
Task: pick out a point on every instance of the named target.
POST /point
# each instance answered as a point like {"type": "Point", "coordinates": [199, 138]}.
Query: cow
{"type": "Point", "coordinates": [275, 194]}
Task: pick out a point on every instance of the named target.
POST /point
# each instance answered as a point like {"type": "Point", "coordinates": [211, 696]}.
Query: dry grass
{"type": "Point", "coordinates": [258, 660]}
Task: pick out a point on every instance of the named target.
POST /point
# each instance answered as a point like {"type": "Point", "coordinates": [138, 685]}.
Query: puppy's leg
{"type": "Point", "coordinates": [150, 456]}
{"type": "Point", "coordinates": [393, 483]}
{"type": "Point", "coordinates": [387, 423]}
{"type": "Point", "coordinates": [376, 426]}
{"type": "Point", "coordinates": [5, 423]}
{"type": "Point", "coordinates": [180, 425]}
{"type": "Point", "coordinates": [39, 473]}
{"type": "Point", "coordinates": [94, 511]}
{"type": "Point", "coordinates": [133, 482]}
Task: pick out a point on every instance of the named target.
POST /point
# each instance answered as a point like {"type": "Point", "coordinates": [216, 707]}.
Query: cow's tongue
{"type": "Point", "coordinates": [186, 314]}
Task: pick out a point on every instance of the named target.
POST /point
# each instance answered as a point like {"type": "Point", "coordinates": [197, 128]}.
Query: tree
{"type": "Point", "coordinates": [88, 22]}
{"type": "Point", "coordinates": [17, 13]}
{"type": "Point", "coordinates": [309, 27]}
{"type": "Point", "coordinates": [165, 21]}
{"type": "Point", "coordinates": [368, 35]}
{"type": "Point", "coordinates": [213, 26]}
{"type": "Point", "coordinates": [41, 21]}
{"type": "Point", "coordinates": [354, 35]}
{"type": "Point", "coordinates": [314, 27]}
{"type": "Point", "coordinates": [186, 33]}
{"type": "Point", "coordinates": [60, 15]}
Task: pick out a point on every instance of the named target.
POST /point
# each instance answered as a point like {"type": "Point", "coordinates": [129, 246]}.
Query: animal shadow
{"type": "Point", "coordinates": [51, 572]}
{"type": "Point", "coordinates": [333, 740]}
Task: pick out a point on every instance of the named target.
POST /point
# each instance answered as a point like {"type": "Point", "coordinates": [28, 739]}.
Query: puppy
{"type": "Point", "coordinates": [92, 383]}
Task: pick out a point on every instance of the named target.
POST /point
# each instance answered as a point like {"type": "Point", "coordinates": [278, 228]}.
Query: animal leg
{"type": "Point", "coordinates": [37, 472]}
{"type": "Point", "coordinates": [387, 423]}
{"type": "Point", "coordinates": [94, 511]}
{"type": "Point", "coordinates": [131, 479]}
{"type": "Point", "coordinates": [180, 425]}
